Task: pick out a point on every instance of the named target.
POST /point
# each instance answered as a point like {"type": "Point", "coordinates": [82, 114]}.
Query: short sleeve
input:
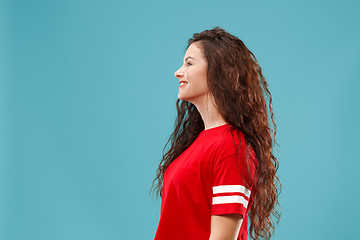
{"type": "Point", "coordinates": [230, 193]}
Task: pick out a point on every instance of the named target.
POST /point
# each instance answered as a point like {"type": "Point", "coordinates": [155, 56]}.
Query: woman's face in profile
{"type": "Point", "coordinates": [193, 73]}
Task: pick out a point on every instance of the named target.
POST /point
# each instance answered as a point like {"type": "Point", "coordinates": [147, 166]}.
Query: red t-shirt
{"type": "Point", "coordinates": [203, 181]}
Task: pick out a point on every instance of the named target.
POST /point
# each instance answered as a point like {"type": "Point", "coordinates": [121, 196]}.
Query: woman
{"type": "Point", "coordinates": [220, 170]}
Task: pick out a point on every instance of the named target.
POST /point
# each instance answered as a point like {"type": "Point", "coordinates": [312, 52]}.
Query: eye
{"type": "Point", "coordinates": [188, 63]}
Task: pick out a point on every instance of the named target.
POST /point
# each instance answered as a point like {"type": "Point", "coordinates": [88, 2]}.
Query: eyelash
{"type": "Point", "coordinates": [188, 63]}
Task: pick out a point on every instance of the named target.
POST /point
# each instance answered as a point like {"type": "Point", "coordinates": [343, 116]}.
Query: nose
{"type": "Point", "coordinates": [178, 73]}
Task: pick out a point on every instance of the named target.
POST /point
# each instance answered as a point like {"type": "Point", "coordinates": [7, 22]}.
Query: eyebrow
{"type": "Point", "coordinates": [189, 57]}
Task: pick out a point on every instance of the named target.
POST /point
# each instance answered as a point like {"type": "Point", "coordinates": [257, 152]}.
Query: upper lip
{"type": "Point", "coordinates": [182, 81]}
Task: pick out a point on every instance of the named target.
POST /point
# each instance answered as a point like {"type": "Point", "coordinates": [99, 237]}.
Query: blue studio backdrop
{"type": "Point", "coordinates": [87, 103]}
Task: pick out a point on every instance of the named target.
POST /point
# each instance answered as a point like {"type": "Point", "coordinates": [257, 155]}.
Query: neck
{"type": "Point", "coordinates": [209, 113]}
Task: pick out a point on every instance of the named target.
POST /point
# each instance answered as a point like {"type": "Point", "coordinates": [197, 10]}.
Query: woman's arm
{"type": "Point", "coordinates": [225, 227]}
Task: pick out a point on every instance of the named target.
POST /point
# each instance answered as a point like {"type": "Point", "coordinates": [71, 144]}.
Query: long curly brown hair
{"type": "Point", "coordinates": [235, 80]}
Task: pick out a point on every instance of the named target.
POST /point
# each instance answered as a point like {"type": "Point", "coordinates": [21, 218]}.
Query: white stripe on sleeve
{"type": "Point", "coordinates": [231, 188]}
{"type": "Point", "coordinates": [230, 199]}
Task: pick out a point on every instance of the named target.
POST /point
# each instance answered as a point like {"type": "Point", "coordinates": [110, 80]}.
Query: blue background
{"type": "Point", "coordinates": [87, 103]}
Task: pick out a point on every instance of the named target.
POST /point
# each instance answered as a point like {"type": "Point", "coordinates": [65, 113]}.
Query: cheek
{"type": "Point", "coordinates": [200, 79]}
{"type": "Point", "coordinates": [196, 77]}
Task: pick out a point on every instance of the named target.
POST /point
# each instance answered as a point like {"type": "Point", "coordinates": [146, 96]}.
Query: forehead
{"type": "Point", "coordinates": [195, 52]}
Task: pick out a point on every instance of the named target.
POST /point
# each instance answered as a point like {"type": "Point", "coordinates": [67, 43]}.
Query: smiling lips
{"type": "Point", "coordinates": [182, 83]}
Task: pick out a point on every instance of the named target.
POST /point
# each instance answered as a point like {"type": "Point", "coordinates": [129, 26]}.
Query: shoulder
{"type": "Point", "coordinates": [235, 156]}
{"type": "Point", "coordinates": [232, 140]}
{"type": "Point", "coordinates": [224, 142]}
{"type": "Point", "coordinates": [234, 144]}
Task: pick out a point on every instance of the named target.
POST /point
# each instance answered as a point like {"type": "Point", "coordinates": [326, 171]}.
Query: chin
{"type": "Point", "coordinates": [182, 98]}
